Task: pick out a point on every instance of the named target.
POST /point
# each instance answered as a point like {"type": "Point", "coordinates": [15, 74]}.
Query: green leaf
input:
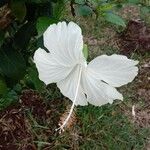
{"type": "Point", "coordinates": [85, 51]}
{"type": "Point", "coordinates": [58, 9]}
{"type": "Point", "coordinates": [145, 10]}
{"type": "Point", "coordinates": [145, 14]}
{"type": "Point", "coordinates": [33, 77]}
{"type": "Point", "coordinates": [12, 63]}
{"type": "Point", "coordinates": [83, 10]}
{"type": "Point", "coordinates": [44, 9]}
{"type": "Point", "coordinates": [81, 2]}
{"type": "Point", "coordinates": [115, 19]}
{"type": "Point", "coordinates": [105, 7]}
{"type": "Point", "coordinates": [94, 3]}
{"type": "Point", "coordinates": [8, 99]}
{"type": "Point", "coordinates": [43, 23]}
{"type": "Point", "coordinates": [17, 88]}
{"type": "Point", "coordinates": [3, 86]}
{"type": "Point", "coordinates": [40, 42]}
{"type": "Point", "coordinates": [18, 9]}
{"type": "Point", "coordinates": [23, 35]}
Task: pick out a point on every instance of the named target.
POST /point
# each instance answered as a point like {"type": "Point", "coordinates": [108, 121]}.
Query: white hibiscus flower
{"type": "Point", "coordinates": [82, 83]}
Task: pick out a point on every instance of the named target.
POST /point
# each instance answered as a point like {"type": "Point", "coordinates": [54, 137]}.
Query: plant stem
{"type": "Point", "coordinates": [61, 128]}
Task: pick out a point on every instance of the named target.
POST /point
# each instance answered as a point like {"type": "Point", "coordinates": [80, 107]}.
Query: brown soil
{"type": "Point", "coordinates": [140, 98]}
{"type": "Point", "coordinates": [135, 38]}
{"type": "Point", "coordinates": [31, 122]}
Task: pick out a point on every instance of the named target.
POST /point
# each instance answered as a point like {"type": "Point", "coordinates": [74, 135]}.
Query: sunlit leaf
{"type": "Point", "coordinates": [85, 51]}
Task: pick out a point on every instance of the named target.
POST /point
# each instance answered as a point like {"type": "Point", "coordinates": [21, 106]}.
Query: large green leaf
{"type": "Point", "coordinates": [23, 35]}
{"type": "Point", "coordinates": [18, 9]}
{"type": "Point", "coordinates": [83, 10]}
{"type": "Point", "coordinates": [42, 24]}
{"type": "Point", "coordinates": [12, 63]}
{"type": "Point", "coordinates": [115, 19]}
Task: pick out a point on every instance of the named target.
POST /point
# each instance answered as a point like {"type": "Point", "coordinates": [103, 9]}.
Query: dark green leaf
{"type": "Point", "coordinates": [40, 42]}
{"type": "Point", "coordinates": [44, 9]}
{"type": "Point", "coordinates": [3, 86]}
{"type": "Point", "coordinates": [33, 77]}
{"type": "Point", "coordinates": [9, 98]}
{"type": "Point", "coordinates": [2, 34]}
{"type": "Point", "coordinates": [36, 10]}
{"type": "Point", "coordinates": [58, 9]}
{"type": "Point", "coordinates": [18, 9]}
{"type": "Point", "coordinates": [17, 88]}
{"type": "Point", "coordinates": [115, 19]}
{"type": "Point", "coordinates": [12, 63]}
{"type": "Point", "coordinates": [23, 36]}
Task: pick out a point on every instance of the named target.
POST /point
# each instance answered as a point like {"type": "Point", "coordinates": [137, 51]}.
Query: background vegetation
{"type": "Point", "coordinates": [30, 111]}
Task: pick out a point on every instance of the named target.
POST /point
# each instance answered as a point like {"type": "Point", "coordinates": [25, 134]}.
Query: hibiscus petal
{"type": "Point", "coordinates": [68, 87]}
{"type": "Point", "coordinates": [65, 42]}
{"type": "Point", "coordinates": [98, 93]}
{"type": "Point", "coordinates": [50, 70]}
{"type": "Point", "coordinates": [116, 70]}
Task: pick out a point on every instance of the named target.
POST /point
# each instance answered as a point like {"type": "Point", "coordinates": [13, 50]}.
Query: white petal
{"type": "Point", "coordinates": [65, 42]}
{"type": "Point", "coordinates": [68, 87]}
{"type": "Point", "coordinates": [116, 70]}
{"type": "Point", "coordinates": [50, 70]}
{"type": "Point", "coordinates": [98, 93]}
